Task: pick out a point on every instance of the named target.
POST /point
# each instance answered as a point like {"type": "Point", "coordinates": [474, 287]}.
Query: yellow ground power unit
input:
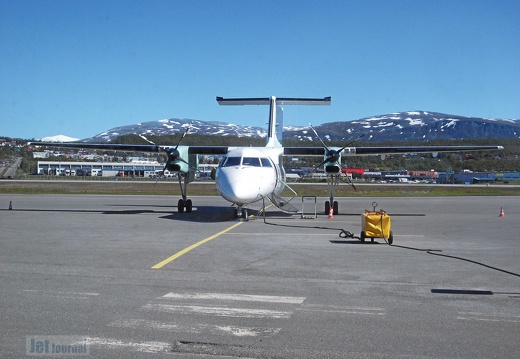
{"type": "Point", "coordinates": [376, 224]}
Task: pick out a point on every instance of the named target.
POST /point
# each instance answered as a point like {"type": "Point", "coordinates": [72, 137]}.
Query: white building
{"type": "Point", "coordinates": [108, 169]}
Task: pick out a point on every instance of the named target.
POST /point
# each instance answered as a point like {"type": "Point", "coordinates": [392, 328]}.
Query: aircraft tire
{"type": "Point", "coordinates": [335, 207]}
{"type": "Point", "coordinates": [327, 207]}
{"type": "Point", "coordinates": [180, 206]}
{"type": "Point", "coordinates": [189, 206]}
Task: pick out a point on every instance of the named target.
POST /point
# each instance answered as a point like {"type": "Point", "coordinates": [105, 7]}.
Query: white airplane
{"type": "Point", "coordinates": [250, 174]}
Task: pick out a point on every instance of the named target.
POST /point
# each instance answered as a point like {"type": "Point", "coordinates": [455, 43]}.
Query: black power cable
{"type": "Point", "coordinates": [346, 234]}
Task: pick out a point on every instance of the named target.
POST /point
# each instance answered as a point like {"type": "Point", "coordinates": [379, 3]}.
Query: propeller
{"type": "Point", "coordinates": [333, 156]}
{"type": "Point", "coordinates": [171, 153]}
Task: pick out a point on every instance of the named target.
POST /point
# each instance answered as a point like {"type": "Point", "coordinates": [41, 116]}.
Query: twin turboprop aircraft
{"type": "Point", "coordinates": [247, 175]}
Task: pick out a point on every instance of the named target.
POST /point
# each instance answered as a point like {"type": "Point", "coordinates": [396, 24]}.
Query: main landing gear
{"type": "Point", "coordinates": [334, 207]}
{"type": "Point", "coordinates": [332, 181]}
{"type": "Point", "coordinates": [184, 203]}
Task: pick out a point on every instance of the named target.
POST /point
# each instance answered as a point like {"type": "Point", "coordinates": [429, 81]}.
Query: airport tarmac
{"type": "Point", "coordinates": [132, 278]}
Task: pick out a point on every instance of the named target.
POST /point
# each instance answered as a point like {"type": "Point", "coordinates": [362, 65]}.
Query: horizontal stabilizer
{"type": "Point", "coordinates": [279, 101]}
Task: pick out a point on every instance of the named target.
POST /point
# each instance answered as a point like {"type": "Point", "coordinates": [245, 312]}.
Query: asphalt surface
{"type": "Point", "coordinates": [131, 277]}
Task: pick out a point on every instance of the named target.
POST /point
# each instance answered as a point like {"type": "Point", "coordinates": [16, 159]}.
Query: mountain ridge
{"type": "Point", "coordinates": [398, 126]}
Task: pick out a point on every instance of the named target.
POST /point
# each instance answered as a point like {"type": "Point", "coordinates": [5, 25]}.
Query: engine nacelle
{"type": "Point", "coordinates": [179, 160]}
{"type": "Point", "coordinates": [332, 168]}
{"type": "Point", "coordinates": [333, 158]}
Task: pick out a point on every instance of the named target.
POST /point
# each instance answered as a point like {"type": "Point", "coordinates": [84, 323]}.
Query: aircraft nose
{"type": "Point", "coordinates": [239, 192]}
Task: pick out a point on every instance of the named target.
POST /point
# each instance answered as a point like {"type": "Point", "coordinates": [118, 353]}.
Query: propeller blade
{"type": "Point", "coordinates": [315, 168]}
{"type": "Point", "coordinates": [319, 138]}
{"type": "Point", "coordinates": [182, 160]}
{"type": "Point", "coordinates": [348, 181]}
{"type": "Point", "coordinates": [348, 144]}
{"type": "Point", "coordinates": [147, 140]}
{"type": "Point", "coordinates": [183, 135]}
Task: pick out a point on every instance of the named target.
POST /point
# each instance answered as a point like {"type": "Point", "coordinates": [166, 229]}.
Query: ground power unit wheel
{"type": "Point", "coordinates": [391, 238]}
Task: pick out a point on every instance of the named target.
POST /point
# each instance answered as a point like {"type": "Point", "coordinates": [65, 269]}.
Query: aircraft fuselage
{"type": "Point", "coordinates": [249, 174]}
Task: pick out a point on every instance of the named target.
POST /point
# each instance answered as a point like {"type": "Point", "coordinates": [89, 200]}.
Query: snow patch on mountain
{"type": "Point", "coordinates": [59, 138]}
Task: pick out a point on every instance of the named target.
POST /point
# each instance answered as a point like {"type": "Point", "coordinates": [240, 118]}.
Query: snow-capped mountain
{"type": "Point", "coordinates": [59, 138]}
{"type": "Point", "coordinates": [402, 126]}
{"type": "Point", "coordinates": [173, 126]}
{"type": "Point", "coordinates": [413, 126]}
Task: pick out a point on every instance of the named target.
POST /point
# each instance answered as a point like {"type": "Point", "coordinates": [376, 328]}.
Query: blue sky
{"type": "Point", "coordinates": [81, 67]}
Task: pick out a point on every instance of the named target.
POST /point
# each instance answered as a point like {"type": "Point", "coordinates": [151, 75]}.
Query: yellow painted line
{"type": "Point", "coordinates": [193, 246]}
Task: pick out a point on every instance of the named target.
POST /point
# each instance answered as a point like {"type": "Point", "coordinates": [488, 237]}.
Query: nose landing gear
{"type": "Point", "coordinates": [240, 212]}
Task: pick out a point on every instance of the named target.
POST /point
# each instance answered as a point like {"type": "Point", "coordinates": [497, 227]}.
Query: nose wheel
{"type": "Point", "coordinates": [240, 213]}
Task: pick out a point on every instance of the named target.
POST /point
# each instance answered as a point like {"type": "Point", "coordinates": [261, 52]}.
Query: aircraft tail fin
{"type": "Point", "coordinates": [274, 131]}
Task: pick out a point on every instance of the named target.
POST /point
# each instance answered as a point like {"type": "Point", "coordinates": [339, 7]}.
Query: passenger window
{"type": "Point", "coordinates": [251, 161]}
{"type": "Point", "coordinates": [232, 161]}
{"type": "Point", "coordinates": [266, 162]}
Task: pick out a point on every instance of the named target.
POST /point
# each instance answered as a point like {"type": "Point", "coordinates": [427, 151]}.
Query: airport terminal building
{"type": "Point", "coordinates": [105, 169]}
{"type": "Point", "coordinates": [109, 169]}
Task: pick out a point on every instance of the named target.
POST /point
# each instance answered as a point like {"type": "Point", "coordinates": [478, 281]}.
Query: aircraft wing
{"type": "Point", "coordinates": [384, 150]}
{"type": "Point", "coordinates": [288, 151]}
{"type": "Point", "coordinates": [199, 150]}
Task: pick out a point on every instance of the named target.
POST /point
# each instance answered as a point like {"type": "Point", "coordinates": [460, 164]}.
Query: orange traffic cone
{"type": "Point", "coordinates": [331, 213]}
{"type": "Point", "coordinates": [10, 205]}
{"type": "Point", "coordinates": [502, 214]}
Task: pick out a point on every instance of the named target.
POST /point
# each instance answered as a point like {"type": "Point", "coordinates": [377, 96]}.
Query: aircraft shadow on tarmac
{"type": "Point", "coordinates": [133, 211]}
{"type": "Point", "coordinates": [199, 214]}
{"type": "Point", "coordinates": [203, 214]}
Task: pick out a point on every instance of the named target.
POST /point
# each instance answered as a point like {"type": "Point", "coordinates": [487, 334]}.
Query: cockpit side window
{"type": "Point", "coordinates": [231, 161]}
{"type": "Point", "coordinates": [251, 161]}
{"type": "Point", "coordinates": [265, 162]}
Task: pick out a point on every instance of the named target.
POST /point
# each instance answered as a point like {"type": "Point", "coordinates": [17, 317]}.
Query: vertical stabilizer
{"type": "Point", "coordinates": [279, 123]}
{"type": "Point", "coordinates": [275, 129]}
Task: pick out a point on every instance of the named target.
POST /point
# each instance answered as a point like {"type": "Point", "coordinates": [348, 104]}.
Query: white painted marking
{"type": "Point", "coordinates": [343, 310]}
{"type": "Point", "coordinates": [145, 347]}
{"type": "Point", "coordinates": [219, 311]}
{"type": "Point", "coordinates": [58, 294]}
{"type": "Point", "coordinates": [488, 317]}
{"type": "Point", "coordinates": [236, 297]}
{"type": "Point", "coordinates": [201, 328]}
{"type": "Point", "coordinates": [249, 332]}
{"type": "Point", "coordinates": [149, 324]}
